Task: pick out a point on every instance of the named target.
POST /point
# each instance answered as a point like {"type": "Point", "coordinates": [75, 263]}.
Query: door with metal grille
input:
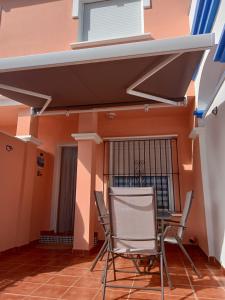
{"type": "Point", "coordinates": [145, 162]}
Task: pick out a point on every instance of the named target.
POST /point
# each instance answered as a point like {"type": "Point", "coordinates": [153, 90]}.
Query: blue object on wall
{"type": "Point", "coordinates": [220, 51]}
{"type": "Point", "coordinates": [199, 113]}
{"type": "Point", "coordinates": [204, 17]}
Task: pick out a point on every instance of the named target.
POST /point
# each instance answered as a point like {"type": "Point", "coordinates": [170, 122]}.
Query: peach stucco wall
{"type": "Point", "coordinates": [18, 180]}
{"type": "Point", "coordinates": [56, 130]}
{"type": "Point", "coordinates": [38, 26]}
{"type": "Point", "coordinates": [41, 200]}
{"type": "Point", "coordinates": [11, 178]}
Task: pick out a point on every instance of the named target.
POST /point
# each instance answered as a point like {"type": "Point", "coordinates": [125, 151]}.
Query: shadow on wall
{"type": "Point", "coordinates": [7, 5]}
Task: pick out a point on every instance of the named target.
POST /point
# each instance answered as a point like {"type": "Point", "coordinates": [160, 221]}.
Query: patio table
{"type": "Point", "coordinates": [163, 216]}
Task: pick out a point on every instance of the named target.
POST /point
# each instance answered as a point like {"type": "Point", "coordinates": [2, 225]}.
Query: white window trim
{"type": "Point", "coordinates": [78, 11]}
{"type": "Point", "coordinates": [77, 6]}
{"type": "Point", "coordinates": [98, 43]}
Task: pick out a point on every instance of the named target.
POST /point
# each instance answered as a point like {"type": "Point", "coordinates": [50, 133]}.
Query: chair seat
{"type": "Point", "coordinates": [135, 251]}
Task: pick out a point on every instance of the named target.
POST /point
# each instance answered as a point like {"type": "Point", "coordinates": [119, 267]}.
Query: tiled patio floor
{"type": "Point", "coordinates": [36, 273]}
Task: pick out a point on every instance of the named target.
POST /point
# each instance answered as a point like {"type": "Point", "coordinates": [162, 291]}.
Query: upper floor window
{"type": "Point", "coordinates": [109, 19]}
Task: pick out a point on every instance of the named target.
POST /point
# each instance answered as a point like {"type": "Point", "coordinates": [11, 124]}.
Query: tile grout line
{"type": "Point", "coordinates": [215, 277]}
{"type": "Point", "coordinates": [128, 297]}
{"type": "Point", "coordinates": [191, 285]}
{"type": "Point", "coordinates": [40, 287]}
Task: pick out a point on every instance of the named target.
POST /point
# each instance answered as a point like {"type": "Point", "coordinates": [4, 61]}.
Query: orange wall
{"type": "Point", "coordinates": [11, 179]}
{"type": "Point", "coordinates": [25, 29]}
{"type": "Point", "coordinates": [41, 205]}
{"type": "Point", "coordinates": [17, 187]}
{"type": "Point", "coordinates": [56, 130]}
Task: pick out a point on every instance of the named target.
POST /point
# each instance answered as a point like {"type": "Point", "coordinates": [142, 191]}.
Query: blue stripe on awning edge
{"type": "Point", "coordinates": [219, 55]}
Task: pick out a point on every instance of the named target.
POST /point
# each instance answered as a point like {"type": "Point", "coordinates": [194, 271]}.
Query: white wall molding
{"type": "Point", "coordinates": [92, 136]}
{"type": "Point", "coordinates": [77, 4]}
{"type": "Point", "coordinates": [29, 138]}
{"type": "Point", "coordinates": [200, 133]}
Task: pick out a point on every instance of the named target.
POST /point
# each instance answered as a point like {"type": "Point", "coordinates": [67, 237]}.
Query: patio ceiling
{"type": "Point", "coordinates": [126, 74]}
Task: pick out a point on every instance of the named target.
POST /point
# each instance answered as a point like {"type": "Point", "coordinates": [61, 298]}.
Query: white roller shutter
{"type": "Point", "coordinates": [112, 19]}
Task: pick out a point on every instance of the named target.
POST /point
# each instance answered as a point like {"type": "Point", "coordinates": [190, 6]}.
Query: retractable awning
{"type": "Point", "coordinates": [123, 74]}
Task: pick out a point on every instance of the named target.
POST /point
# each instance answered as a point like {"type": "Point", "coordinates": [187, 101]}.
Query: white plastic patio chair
{"type": "Point", "coordinates": [133, 231]}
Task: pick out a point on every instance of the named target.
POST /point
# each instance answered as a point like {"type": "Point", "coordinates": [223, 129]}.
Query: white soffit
{"type": "Point", "coordinates": [108, 53]}
{"type": "Point", "coordinates": [92, 136]}
{"type": "Point", "coordinates": [29, 138]}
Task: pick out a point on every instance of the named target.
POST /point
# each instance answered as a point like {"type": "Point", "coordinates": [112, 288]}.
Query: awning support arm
{"type": "Point", "coordinates": [165, 62]}
{"type": "Point", "coordinates": [30, 93]}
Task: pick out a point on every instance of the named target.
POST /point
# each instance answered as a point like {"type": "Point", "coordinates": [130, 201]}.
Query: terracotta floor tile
{"type": "Point", "coordinates": [136, 295]}
{"type": "Point", "coordinates": [180, 279]}
{"type": "Point", "coordinates": [177, 271]}
{"type": "Point", "coordinates": [94, 274]}
{"type": "Point", "coordinates": [180, 290]}
{"type": "Point", "coordinates": [37, 298]}
{"type": "Point", "coordinates": [23, 273]}
{"type": "Point", "coordinates": [50, 291]}
{"type": "Point", "coordinates": [21, 288]}
{"type": "Point", "coordinates": [4, 296]}
{"type": "Point", "coordinates": [112, 294]}
{"type": "Point", "coordinates": [207, 279]}
{"type": "Point", "coordinates": [88, 282]}
{"type": "Point", "coordinates": [210, 292]}
{"type": "Point", "coordinates": [74, 271]}
{"type": "Point", "coordinates": [37, 278]}
{"type": "Point", "coordinates": [49, 270]}
{"type": "Point", "coordinates": [80, 293]}
{"type": "Point", "coordinates": [65, 280]}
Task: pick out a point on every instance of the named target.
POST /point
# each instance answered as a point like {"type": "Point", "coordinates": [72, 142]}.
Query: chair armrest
{"type": "Point", "coordinates": [169, 227]}
{"type": "Point", "coordinates": [176, 214]}
{"type": "Point", "coordinates": [171, 221]}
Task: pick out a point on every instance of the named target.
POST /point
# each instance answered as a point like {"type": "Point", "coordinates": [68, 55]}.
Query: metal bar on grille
{"type": "Point", "coordinates": [146, 162]}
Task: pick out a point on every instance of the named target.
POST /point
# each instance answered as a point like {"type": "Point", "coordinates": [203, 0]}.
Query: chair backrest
{"type": "Point", "coordinates": [102, 210]}
{"type": "Point", "coordinates": [133, 216]}
{"type": "Point", "coordinates": [185, 214]}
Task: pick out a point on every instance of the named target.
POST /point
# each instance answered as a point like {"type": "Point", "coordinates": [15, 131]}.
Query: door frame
{"type": "Point", "coordinates": [56, 184]}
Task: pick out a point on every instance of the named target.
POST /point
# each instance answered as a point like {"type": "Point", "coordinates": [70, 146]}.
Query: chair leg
{"type": "Point", "coordinates": [103, 253]}
{"type": "Point", "coordinates": [114, 268]}
{"type": "Point", "coordinates": [161, 276]}
{"type": "Point", "coordinates": [166, 266]}
{"type": "Point", "coordinates": [136, 266]}
{"type": "Point", "coordinates": [105, 276]}
{"type": "Point", "coordinates": [188, 257]}
{"type": "Point", "coordinates": [102, 250]}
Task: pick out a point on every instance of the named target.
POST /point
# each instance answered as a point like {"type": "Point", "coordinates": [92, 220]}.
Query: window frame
{"type": "Point", "coordinates": [171, 195]}
{"type": "Point", "coordinates": [78, 12]}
